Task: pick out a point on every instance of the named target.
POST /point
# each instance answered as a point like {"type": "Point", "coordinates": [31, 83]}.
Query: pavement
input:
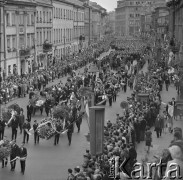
{"type": "Point", "coordinates": [48, 162]}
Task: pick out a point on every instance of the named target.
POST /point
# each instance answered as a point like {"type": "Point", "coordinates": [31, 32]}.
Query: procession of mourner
{"type": "Point", "coordinates": [63, 106]}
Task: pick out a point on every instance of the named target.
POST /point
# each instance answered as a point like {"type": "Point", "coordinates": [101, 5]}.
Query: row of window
{"type": "Point", "coordinates": [43, 35]}
{"type": "Point", "coordinates": [140, 3]}
{"type": "Point", "coordinates": [67, 14]}
{"type": "Point", "coordinates": [12, 19]}
{"type": "Point", "coordinates": [44, 17]}
{"type": "Point", "coordinates": [12, 42]}
{"type": "Point", "coordinates": [67, 35]}
{"type": "Point", "coordinates": [134, 15]}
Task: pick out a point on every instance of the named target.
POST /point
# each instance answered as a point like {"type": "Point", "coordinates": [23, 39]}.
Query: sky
{"type": "Point", "coordinates": [110, 5]}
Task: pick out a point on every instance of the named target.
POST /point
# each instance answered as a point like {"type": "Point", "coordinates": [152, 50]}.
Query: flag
{"type": "Point", "coordinates": [87, 109]}
{"type": "Point", "coordinates": [64, 124]}
{"type": "Point", "coordinates": [170, 110]}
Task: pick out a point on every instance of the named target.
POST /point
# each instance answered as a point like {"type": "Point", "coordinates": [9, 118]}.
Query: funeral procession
{"type": "Point", "coordinates": [91, 90]}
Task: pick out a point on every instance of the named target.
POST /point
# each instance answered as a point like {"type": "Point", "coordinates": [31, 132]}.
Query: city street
{"type": "Point", "coordinates": [41, 39]}
{"type": "Point", "coordinates": [48, 162]}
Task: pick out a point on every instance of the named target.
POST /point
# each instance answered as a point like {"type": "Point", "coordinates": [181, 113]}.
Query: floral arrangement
{"type": "Point", "coordinates": [15, 107]}
{"type": "Point", "coordinates": [85, 91]}
{"type": "Point", "coordinates": [45, 129]}
{"type": "Point", "coordinates": [6, 114]}
{"type": "Point", "coordinates": [5, 149]}
{"type": "Point", "coordinates": [61, 112]}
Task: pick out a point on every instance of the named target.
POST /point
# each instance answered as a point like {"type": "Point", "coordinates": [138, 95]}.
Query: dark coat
{"type": "Point", "coordinates": [29, 109]}
{"type": "Point", "coordinates": [2, 125]}
{"type": "Point", "coordinates": [22, 152]}
{"type": "Point", "coordinates": [14, 123]}
{"type": "Point", "coordinates": [159, 123]}
{"type": "Point", "coordinates": [14, 151]}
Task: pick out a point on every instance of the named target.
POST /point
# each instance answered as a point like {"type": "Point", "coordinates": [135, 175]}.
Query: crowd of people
{"type": "Point", "coordinates": [120, 138]}
{"type": "Point", "coordinates": [16, 85]}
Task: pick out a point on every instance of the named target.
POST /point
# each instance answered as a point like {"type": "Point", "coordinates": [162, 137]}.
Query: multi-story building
{"type": "Point", "coordinates": [62, 27]}
{"type": "Point", "coordinates": [129, 15]}
{"type": "Point", "coordinates": [96, 21]}
{"type": "Point", "coordinates": [176, 24]}
{"type": "Point", "coordinates": [162, 20]}
{"type": "Point", "coordinates": [44, 31]}
{"type": "Point", "coordinates": [19, 36]}
{"type": "Point", "coordinates": [88, 23]}
{"type": "Point", "coordinates": [79, 22]}
{"type": "Point", "coordinates": [2, 30]}
{"type": "Point", "coordinates": [111, 19]}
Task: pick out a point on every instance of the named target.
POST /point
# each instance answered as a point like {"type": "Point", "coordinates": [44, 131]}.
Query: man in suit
{"type": "Point", "coordinates": [158, 126]}
{"type": "Point", "coordinates": [26, 128]}
{"type": "Point", "coordinates": [57, 135]}
{"type": "Point", "coordinates": [14, 153]}
{"type": "Point", "coordinates": [14, 127]}
{"type": "Point", "coordinates": [29, 111]}
{"type": "Point", "coordinates": [23, 156]}
{"type": "Point", "coordinates": [70, 127]}
{"type": "Point", "coordinates": [36, 136]}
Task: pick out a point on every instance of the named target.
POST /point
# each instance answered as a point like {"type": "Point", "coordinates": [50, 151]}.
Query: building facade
{"type": "Point", "coordinates": [62, 28]}
{"type": "Point", "coordinates": [2, 30]}
{"type": "Point", "coordinates": [44, 31]}
{"type": "Point", "coordinates": [19, 36]}
{"type": "Point", "coordinates": [88, 24]}
{"type": "Point", "coordinates": [79, 23]}
{"type": "Point", "coordinates": [129, 14]}
{"type": "Point", "coordinates": [36, 32]}
{"type": "Point", "coordinates": [111, 19]}
{"type": "Point", "coordinates": [176, 25]}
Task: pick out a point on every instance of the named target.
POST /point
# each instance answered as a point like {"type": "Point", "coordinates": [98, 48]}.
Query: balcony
{"type": "Point", "coordinates": [24, 52]}
{"type": "Point", "coordinates": [47, 46]}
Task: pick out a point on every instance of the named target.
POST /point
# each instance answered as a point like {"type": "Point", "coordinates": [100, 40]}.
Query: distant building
{"type": "Point", "coordinates": [129, 14]}
{"type": "Point", "coordinates": [111, 18]}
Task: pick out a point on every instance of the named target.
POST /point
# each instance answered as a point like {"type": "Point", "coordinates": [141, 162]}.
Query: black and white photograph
{"type": "Point", "coordinates": [91, 89]}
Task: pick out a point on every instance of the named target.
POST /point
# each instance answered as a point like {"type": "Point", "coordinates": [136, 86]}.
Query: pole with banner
{"type": "Point", "coordinates": [96, 121]}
